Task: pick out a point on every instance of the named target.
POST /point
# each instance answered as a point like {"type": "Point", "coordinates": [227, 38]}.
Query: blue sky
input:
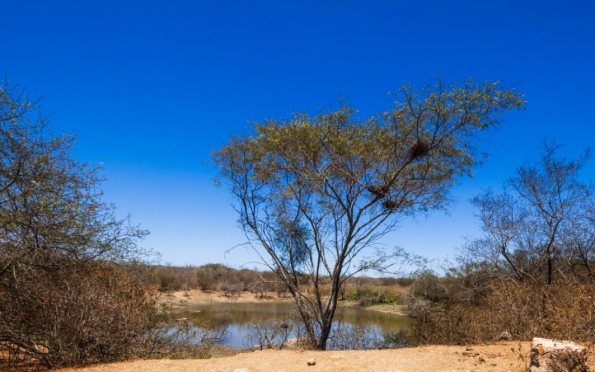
{"type": "Point", "coordinates": [151, 87]}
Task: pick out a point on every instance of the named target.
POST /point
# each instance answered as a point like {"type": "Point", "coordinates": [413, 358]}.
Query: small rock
{"type": "Point", "coordinates": [241, 370]}
{"type": "Point", "coordinates": [311, 362]}
{"type": "Point", "coordinates": [505, 336]}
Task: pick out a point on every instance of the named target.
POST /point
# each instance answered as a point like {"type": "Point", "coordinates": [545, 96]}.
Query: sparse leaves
{"type": "Point", "coordinates": [60, 246]}
{"type": "Point", "coordinates": [542, 221]}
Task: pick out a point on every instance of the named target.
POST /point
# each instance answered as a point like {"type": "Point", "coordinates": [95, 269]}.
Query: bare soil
{"type": "Point", "coordinates": [503, 356]}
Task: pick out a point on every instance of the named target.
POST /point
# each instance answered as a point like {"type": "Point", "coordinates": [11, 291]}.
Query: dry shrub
{"type": "Point", "coordinates": [563, 310]}
{"type": "Point", "coordinates": [369, 291]}
{"type": "Point", "coordinates": [81, 313]}
{"type": "Point", "coordinates": [269, 334]}
{"type": "Point", "coordinates": [174, 278]}
{"type": "Point", "coordinates": [183, 335]}
{"type": "Point", "coordinates": [212, 276]}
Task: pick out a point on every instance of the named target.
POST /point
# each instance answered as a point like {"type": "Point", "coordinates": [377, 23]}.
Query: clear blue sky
{"type": "Point", "coordinates": [151, 87]}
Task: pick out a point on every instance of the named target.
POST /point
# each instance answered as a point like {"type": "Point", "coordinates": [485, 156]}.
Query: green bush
{"type": "Point", "coordinates": [168, 282]}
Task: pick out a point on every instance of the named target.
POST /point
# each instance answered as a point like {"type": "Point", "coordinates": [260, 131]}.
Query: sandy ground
{"type": "Point", "coordinates": [198, 297]}
{"type": "Point", "coordinates": [503, 356]}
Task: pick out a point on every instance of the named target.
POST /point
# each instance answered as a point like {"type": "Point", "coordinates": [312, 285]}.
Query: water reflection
{"type": "Point", "coordinates": [244, 320]}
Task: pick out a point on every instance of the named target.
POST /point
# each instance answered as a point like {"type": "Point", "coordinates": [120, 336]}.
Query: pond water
{"type": "Point", "coordinates": [249, 324]}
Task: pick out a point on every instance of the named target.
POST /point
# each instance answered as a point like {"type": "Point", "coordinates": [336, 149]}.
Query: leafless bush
{"type": "Point", "coordinates": [231, 289]}
{"type": "Point", "coordinates": [269, 334]}
{"type": "Point", "coordinates": [258, 289]}
{"type": "Point", "coordinates": [82, 313]}
{"type": "Point", "coordinates": [67, 295]}
{"type": "Point", "coordinates": [181, 335]}
{"type": "Point", "coordinates": [563, 310]}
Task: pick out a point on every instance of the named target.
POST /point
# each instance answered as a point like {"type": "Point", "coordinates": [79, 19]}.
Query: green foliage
{"type": "Point", "coordinates": [367, 297]}
{"type": "Point", "coordinates": [168, 281]}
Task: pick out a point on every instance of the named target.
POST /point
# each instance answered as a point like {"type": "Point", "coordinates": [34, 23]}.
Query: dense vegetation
{"type": "Point", "coordinates": [72, 287]}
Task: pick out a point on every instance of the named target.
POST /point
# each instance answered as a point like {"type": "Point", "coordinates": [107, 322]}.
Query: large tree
{"type": "Point", "coordinates": [315, 194]}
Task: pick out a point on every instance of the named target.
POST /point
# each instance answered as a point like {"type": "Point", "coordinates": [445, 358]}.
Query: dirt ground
{"type": "Point", "coordinates": [503, 356]}
{"type": "Point", "coordinates": [198, 297]}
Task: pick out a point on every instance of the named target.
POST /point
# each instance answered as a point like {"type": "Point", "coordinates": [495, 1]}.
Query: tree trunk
{"type": "Point", "coordinates": [324, 335]}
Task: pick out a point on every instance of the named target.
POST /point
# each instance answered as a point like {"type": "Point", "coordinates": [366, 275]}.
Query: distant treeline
{"type": "Point", "coordinates": [231, 281]}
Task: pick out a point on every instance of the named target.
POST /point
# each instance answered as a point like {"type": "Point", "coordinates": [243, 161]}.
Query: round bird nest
{"type": "Point", "coordinates": [419, 150]}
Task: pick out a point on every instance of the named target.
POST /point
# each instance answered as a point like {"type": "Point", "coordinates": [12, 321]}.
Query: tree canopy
{"type": "Point", "coordinates": [315, 193]}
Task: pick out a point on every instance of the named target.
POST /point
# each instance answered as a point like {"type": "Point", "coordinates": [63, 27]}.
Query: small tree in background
{"type": "Point", "coordinates": [542, 224]}
{"type": "Point", "coordinates": [314, 194]}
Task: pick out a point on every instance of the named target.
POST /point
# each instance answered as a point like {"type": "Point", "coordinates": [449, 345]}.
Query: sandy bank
{"type": "Point", "coordinates": [197, 297]}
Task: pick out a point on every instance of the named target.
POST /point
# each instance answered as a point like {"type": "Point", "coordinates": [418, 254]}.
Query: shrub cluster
{"type": "Point", "coordinates": [82, 313]}
{"type": "Point", "coordinates": [369, 291]}
{"type": "Point", "coordinates": [503, 309]}
{"type": "Point", "coordinates": [68, 291]}
{"type": "Point", "coordinates": [213, 277]}
{"type": "Point", "coordinates": [218, 277]}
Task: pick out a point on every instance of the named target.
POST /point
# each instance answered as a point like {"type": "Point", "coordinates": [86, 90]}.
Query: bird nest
{"type": "Point", "coordinates": [418, 150]}
{"type": "Point", "coordinates": [390, 205]}
{"type": "Point", "coordinates": [378, 190]}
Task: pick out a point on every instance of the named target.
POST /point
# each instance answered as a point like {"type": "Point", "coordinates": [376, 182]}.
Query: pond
{"type": "Point", "coordinates": [251, 324]}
